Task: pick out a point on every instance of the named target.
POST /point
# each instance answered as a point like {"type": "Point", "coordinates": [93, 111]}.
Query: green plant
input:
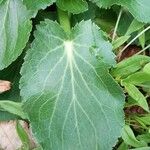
{"type": "Point", "coordinates": [71, 86]}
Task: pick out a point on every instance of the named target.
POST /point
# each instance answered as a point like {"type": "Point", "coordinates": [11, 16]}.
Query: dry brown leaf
{"type": "Point", "coordinates": [4, 86]}
{"type": "Point", "coordinates": [9, 139]}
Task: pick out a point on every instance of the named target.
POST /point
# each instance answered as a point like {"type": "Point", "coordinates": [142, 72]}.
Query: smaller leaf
{"type": "Point", "coordinates": [137, 78]}
{"type": "Point", "coordinates": [143, 126]}
{"type": "Point", "coordinates": [130, 102]}
{"type": "Point", "coordinates": [123, 146]}
{"type": "Point", "coordinates": [145, 119]}
{"type": "Point", "coordinates": [134, 26]}
{"type": "Point", "coordinates": [146, 68]}
{"type": "Point", "coordinates": [23, 136]}
{"type": "Point", "coordinates": [146, 85]}
{"type": "Point", "coordinates": [142, 38]}
{"type": "Point", "coordinates": [119, 41]}
{"type": "Point", "coordinates": [129, 66]}
{"type": "Point", "coordinates": [130, 139]}
{"type": "Point", "coordinates": [144, 137]}
{"type": "Point", "coordinates": [13, 107]}
{"type": "Point", "coordinates": [136, 95]}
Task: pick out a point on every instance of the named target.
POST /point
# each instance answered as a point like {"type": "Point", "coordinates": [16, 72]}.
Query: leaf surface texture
{"type": "Point", "coordinates": [71, 99]}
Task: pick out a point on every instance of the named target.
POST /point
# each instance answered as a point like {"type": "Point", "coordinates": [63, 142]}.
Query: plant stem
{"type": "Point", "coordinates": [143, 50]}
{"type": "Point", "coordinates": [146, 29]}
{"type": "Point", "coordinates": [116, 26]}
{"type": "Point", "coordinates": [64, 20]}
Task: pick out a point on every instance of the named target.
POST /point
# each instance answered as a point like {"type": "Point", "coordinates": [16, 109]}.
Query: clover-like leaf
{"type": "Point", "coordinates": [14, 32]}
{"type": "Point", "coordinates": [138, 8]}
{"type": "Point", "coordinates": [71, 99]}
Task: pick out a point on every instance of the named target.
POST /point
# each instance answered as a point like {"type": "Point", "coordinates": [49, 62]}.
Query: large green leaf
{"type": "Point", "coordinates": [75, 6]}
{"type": "Point", "coordinates": [72, 101]}
{"type": "Point", "coordinates": [14, 32]}
{"type": "Point", "coordinates": [138, 8]}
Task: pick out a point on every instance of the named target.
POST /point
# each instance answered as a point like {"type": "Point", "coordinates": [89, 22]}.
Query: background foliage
{"type": "Point", "coordinates": [79, 72]}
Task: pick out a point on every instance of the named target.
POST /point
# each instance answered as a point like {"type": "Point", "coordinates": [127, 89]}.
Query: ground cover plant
{"type": "Point", "coordinates": [77, 72]}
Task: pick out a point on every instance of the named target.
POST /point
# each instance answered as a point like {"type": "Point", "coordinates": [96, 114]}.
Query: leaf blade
{"type": "Point", "coordinates": [119, 41]}
{"type": "Point", "coordinates": [129, 137]}
{"type": "Point", "coordinates": [71, 76]}
{"type": "Point", "coordinates": [15, 31]}
{"type": "Point", "coordinates": [129, 66]}
{"type": "Point", "coordinates": [134, 92]}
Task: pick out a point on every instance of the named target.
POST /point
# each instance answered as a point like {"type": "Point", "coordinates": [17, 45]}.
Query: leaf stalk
{"type": "Point", "coordinates": [64, 20]}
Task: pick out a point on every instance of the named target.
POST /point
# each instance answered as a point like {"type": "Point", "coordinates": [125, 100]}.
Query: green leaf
{"type": "Point", "coordinates": [13, 107]}
{"type": "Point", "coordinates": [130, 139]}
{"type": "Point", "coordinates": [89, 14]}
{"type": "Point", "coordinates": [129, 66]}
{"type": "Point", "coordinates": [123, 146]}
{"type": "Point", "coordinates": [6, 116]}
{"type": "Point", "coordinates": [15, 29]}
{"type": "Point", "coordinates": [146, 68]}
{"type": "Point", "coordinates": [119, 41]}
{"type": "Point", "coordinates": [142, 38]}
{"type": "Point", "coordinates": [35, 5]}
{"type": "Point", "coordinates": [73, 6]}
{"type": "Point", "coordinates": [145, 119]}
{"type": "Point", "coordinates": [72, 101]}
{"type": "Point", "coordinates": [144, 137]}
{"type": "Point", "coordinates": [134, 26]}
{"type": "Point", "coordinates": [125, 21]}
{"type": "Point", "coordinates": [142, 125]}
{"type": "Point", "coordinates": [137, 78]}
{"type": "Point", "coordinates": [23, 137]}
{"type": "Point", "coordinates": [136, 95]}
{"type": "Point", "coordinates": [139, 9]}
